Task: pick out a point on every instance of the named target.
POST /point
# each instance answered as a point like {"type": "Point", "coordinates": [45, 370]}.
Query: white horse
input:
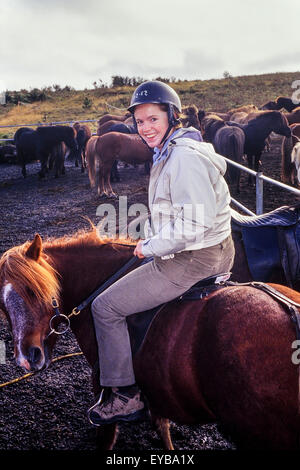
{"type": "Point", "coordinates": [295, 158]}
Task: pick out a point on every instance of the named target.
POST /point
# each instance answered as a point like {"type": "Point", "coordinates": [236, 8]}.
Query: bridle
{"type": "Point", "coordinates": [60, 323]}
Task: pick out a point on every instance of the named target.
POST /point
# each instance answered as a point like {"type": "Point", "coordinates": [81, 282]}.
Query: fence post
{"type": "Point", "coordinates": [259, 193]}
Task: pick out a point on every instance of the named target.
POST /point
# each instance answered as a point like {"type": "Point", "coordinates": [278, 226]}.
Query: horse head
{"type": "Point", "coordinates": [28, 284]}
{"type": "Point", "coordinates": [281, 125]}
{"type": "Point", "coordinates": [70, 139]}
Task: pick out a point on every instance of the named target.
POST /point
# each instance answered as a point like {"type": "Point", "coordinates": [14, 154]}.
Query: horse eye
{"type": "Point", "coordinates": [29, 292]}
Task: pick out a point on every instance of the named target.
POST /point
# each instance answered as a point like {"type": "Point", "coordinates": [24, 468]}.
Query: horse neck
{"type": "Point", "coordinates": [83, 268]}
{"type": "Point", "coordinates": [262, 126]}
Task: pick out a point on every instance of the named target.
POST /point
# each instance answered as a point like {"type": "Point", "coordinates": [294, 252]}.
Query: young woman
{"type": "Point", "coordinates": [189, 239]}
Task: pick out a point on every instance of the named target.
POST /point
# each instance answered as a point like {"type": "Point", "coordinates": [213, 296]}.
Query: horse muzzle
{"type": "Point", "coordinates": [33, 360]}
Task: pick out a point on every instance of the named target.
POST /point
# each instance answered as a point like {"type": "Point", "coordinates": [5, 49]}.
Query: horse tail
{"type": "Point", "coordinates": [286, 164]}
{"type": "Point", "coordinates": [295, 158]}
{"type": "Point", "coordinates": [91, 156]}
{"type": "Point", "coordinates": [229, 142]}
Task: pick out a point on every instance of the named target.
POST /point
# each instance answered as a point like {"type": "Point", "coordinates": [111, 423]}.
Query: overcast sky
{"type": "Point", "coordinates": [77, 42]}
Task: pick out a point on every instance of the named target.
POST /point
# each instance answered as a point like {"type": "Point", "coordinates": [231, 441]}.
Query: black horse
{"type": "Point", "coordinates": [256, 132]}
{"type": "Point", "coordinates": [281, 102]}
{"type": "Point", "coordinates": [38, 144]}
{"type": "Point", "coordinates": [47, 137]}
{"type": "Point", "coordinates": [83, 133]}
{"type": "Point", "coordinates": [25, 142]}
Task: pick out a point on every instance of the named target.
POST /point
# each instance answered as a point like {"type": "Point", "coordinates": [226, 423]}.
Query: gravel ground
{"type": "Point", "coordinates": [47, 411]}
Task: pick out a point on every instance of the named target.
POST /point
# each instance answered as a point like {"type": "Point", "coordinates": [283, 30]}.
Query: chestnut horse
{"type": "Point", "coordinates": [226, 357]}
{"type": "Point", "coordinates": [287, 165]}
{"type": "Point", "coordinates": [103, 151]}
{"type": "Point", "coordinates": [115, 117]}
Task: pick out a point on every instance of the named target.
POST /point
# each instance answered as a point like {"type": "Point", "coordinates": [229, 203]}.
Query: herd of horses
{"type": "Point", "coordinates": [243, 131]}
{"type": "Point", "coordinates": [224, 355]}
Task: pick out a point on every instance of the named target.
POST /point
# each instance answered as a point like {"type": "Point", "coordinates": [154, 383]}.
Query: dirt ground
{"type": "Point", "coordinates": [48, 410]}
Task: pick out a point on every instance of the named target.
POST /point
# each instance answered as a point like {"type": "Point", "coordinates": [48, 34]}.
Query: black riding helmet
{"type": "Point", "coordinates": [158, 93]}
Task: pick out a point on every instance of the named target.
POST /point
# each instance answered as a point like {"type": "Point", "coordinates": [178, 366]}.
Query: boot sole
{"type": "Point", "coordinates": [138, 416]}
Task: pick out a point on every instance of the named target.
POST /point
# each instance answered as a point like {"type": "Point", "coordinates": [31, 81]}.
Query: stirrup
{"type": "Point", "coordinates": [94, 406]}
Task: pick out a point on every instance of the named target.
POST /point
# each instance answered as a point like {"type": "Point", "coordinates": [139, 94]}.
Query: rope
{"type": "Point", "coordinates": [33, 373]}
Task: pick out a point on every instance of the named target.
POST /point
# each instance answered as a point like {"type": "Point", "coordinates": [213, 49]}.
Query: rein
{"type": "Point", "coordinates": [59, 318]}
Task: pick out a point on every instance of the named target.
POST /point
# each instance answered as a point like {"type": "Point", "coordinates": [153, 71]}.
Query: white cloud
{"type": "Point", "coordinates": [75, 42]}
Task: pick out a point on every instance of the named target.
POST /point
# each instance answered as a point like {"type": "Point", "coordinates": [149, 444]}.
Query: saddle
{"type": "Point", "coordinates": [271, 241]}
{"type": "Point", "coordinates": [138, 324]}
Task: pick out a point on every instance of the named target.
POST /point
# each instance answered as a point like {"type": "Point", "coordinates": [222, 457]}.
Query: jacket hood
{"type": "Point", "coordinates": [206, 149]}
{"type": "Point", "coordinates": [190, 132]}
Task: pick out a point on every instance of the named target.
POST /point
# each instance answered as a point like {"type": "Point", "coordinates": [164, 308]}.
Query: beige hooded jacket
{"type": "Point", "coordinates": [188, 199]}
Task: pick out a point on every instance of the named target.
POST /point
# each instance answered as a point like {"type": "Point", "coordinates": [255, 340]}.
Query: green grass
{"type": "Point", "coordinates": [210, 95]}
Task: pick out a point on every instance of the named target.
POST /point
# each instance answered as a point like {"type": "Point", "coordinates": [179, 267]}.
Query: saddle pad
{"type": "Point", "coordinates": [283, 216]}
{"type": "Point", "coordinates": [262, 250]}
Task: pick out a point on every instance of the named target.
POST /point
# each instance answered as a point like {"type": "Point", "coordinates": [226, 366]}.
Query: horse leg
{"type": "Point", "coordinates": [24, 170]}
{"type": "Point", "coordinates": [250, 165]}
{"type": "Point", "coordinates": [257, 162]}
{"type": "Point", "coordinates": [83, 161]}
{"type": "Point", "coordinates": [162, 426]}
{"type": "Point", "coordinates": [100, 181]}
{"type": "Point", "coordinates": [107, 186]}
{"type": "Point", "coordinates": [43, 159]}
{"type": "Point", "coordinates": [106, 437]}
{"type": "Point", "coordinates": [114, 173]}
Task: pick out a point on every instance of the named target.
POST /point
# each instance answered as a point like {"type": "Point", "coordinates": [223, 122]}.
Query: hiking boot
{"type": "Point", "coordinates": [117, 407]}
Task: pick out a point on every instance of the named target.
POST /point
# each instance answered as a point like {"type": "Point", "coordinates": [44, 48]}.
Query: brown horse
{"type": "Point", "coordinates": [104, 150]}
{"type": "Point", "coordinates": [189, 117]}
{"type": "Point", "coordinates": [210, 124]}
{"type": "Point", "coordinates": [226, 357]}
{"type": "Point", "coordinates": [57, 159]}
{"type": "Point", "coordinates": [287, 166]}
{"type": "Point", "coordinates": [115, 117]}
{"type": "Point", "coordinates": [83, 133]}
{"type": "Point", "coordinates": [294, 116]}
{"type": "Point", "coordinates": [229, 141]}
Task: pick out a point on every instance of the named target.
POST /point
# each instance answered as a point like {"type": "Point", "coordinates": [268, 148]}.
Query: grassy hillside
{"type": "Point", "coordinates": [218, 95]}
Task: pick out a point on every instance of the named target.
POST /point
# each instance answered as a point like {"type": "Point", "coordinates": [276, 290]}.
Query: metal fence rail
{"type": "Point", "coordinates": [260, 178]}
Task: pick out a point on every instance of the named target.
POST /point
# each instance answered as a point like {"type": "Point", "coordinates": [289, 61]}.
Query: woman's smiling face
{"type": "Point", "coordinates": [152, 123]}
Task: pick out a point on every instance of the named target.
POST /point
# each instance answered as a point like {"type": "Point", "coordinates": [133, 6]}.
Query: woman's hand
{"type": "Point", "coordinates": [138, 250]}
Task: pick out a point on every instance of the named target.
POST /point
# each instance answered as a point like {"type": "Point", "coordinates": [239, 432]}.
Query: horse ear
{"type": "Point", "coordinates": [35, 248]}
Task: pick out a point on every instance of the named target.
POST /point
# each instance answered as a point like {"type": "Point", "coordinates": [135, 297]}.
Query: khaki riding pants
{"type": "Point", "coordinates": [144, 288]}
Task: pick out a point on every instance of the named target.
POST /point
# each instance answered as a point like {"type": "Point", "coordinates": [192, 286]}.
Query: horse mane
{"type": "Point", "coordinates": [29, 277]}
{"type": "Point", "coordinates": [264, 115]}
{"type": "Point", "coordinates": [243, 109]}
{"type": "Point", "coordinates": [39, 278]}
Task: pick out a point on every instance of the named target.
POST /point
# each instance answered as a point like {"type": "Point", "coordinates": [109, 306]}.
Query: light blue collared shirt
{"type": "Point", "coordinates": [160, 155]}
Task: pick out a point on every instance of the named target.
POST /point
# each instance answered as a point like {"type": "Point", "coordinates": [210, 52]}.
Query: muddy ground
{"type": "Point", "coordinates": [48, 410]}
